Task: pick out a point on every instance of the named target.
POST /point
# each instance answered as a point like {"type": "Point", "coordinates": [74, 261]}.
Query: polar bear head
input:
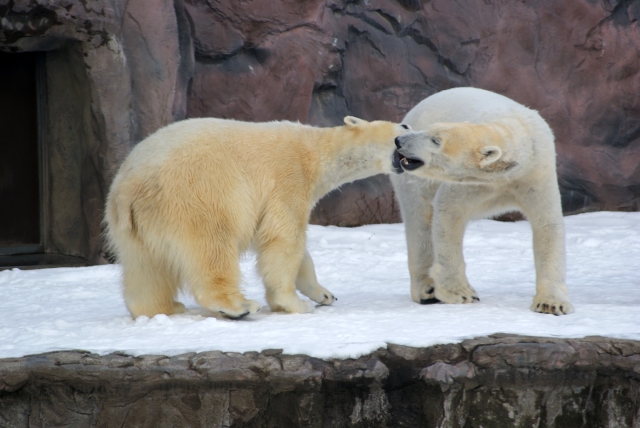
{"type": "Point", "coordinates": [372, 143]}
{"type": "Point", "coordinates": [458, 152]}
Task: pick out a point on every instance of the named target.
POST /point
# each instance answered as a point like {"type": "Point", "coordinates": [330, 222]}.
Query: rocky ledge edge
{"type": "Point", "coordinates": [500, 380]}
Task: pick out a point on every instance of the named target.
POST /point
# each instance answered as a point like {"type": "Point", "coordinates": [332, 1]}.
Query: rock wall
{"type": "Point", "coordinates": [498, 381]}
{"type": "Point", "coordinates": [575, 61]}
{"type": "Point", "coordinates": [114, 71]}
{"type": "Point", "coordinates": [117, 70]}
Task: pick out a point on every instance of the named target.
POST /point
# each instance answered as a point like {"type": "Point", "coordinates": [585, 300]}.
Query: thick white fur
{"type": "Point", "coordinates": [484, 155]}
{"type": "Point", "coordinates": [191, 198]}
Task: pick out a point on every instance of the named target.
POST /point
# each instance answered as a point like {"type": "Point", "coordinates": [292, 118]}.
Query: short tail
{"type": "Point", "coordinates": [119, 221]}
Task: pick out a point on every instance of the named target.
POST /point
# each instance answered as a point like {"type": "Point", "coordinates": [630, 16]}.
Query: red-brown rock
{"type": "Point", "coordinates": [112, 72]}
{"type": "Point", "coordinates": [316, 61]}
{"type": "Point", "coordinates": [116, 70]}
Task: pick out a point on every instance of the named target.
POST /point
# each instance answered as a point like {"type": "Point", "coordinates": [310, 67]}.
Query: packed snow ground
{"type": "Point", "coordinates": [366, 267]}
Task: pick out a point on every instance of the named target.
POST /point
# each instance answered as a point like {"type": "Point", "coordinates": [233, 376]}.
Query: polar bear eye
{"type": "Point", "coordinates": [435, 141]}
{"type": "Point", "coordinates": [405, 126]}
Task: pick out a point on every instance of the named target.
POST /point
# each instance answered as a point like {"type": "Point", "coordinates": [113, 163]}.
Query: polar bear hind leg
{"type": "Point", "coordinates": [280, 245]}
{"type": "Point", "coordinates": [150, 288]}
{"type": "Point", "coordinates": [212, 272]}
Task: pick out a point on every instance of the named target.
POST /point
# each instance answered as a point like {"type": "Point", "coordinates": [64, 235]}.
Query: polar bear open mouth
{"type": "Point", "coordinates": [407, 163]}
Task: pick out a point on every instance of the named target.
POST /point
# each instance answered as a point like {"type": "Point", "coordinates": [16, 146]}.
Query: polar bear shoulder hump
{"type": "Point", "coordinates": [464, 105]}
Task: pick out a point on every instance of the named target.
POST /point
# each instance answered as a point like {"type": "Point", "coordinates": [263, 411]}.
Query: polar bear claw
{"type": "Point", "coordinates": [551, 305]}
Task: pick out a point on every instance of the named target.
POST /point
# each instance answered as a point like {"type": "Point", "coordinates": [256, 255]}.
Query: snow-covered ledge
{"type": "Point", "coordinates": [501, 380]}
{"type": "Point", "coordinates": [337, 367]}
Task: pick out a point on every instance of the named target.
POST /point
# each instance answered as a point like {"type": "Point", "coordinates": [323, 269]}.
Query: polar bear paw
{"type": "Point", "coordinates": [306, 308]}
{"type": "Point", "coordinates": [550, 304]}
{"type": "Point", "coordinates": [179, 308]}
{"type": "Point", "coordinates": [424, 294]}
{"type": "Point", "coordinates": [459, 294]}
{"type": "Point", "coordinates": [292, 305]}
{"type": "Point", "coordinates": [327, 299]}
{"type": "Point", "coordinates": [318, 294]}
{"type": "Point", "coordinates": [241, 310]}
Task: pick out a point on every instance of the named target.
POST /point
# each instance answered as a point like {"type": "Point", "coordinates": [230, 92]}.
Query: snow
{"type": "Point", "coordinates": [366, 267]}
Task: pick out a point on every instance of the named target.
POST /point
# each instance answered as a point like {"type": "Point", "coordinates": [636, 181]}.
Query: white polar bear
{"type": "Point", "coordinates": [475, 154]}
{"type": "Point", "coordinates": [192, 197]}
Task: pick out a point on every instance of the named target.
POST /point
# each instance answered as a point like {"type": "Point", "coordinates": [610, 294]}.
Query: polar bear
{"type": "Point", "coordinates": [474, 154]}
{"type": "Point", "coordinates": [192, 197]}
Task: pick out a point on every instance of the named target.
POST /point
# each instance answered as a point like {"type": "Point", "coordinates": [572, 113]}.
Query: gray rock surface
{"type": "Point", "coordinates": [497, 381]}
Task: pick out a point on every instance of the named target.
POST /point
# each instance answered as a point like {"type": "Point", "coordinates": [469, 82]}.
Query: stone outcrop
{"type": "Point", "coordinates": [114, 71]}
{"type": "Point", "coordinates": [497, 381]}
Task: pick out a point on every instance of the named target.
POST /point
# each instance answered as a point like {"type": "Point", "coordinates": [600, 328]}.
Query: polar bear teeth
{"type": "Point", "coordinates": [405, 160]}
{"type": "Point", "coordinates": [409, 163]}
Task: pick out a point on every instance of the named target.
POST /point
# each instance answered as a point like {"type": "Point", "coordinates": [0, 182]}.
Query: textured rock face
{"type": "Point", "coordinates": [112, 72]}
{"type": "Point", "coordinates": [316, 61]}
{"type": "Point", "coordinates": [499, 381]}
{"type": "Point", "coordinates": [116, 70]}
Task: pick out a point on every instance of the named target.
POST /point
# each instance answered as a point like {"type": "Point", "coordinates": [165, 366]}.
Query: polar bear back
{"type": "Point", "coordinates": [480, 106]}
{"type": "Point", "coordinates": [464, 105]}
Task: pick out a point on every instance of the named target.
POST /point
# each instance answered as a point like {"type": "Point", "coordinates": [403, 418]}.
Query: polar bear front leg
{"type": "Point", "coordinates": [415, 195]}
{"type": "Point", "coordinates": [280, 244]}
{"type": "Point", "coordinates": [451, 214]}
{"type": "Point", "coordinates": [420, 262]}
{"type": "Point", "coordinates": [541, 205]}
{"type": "Point", "coordinates": [278, 263]}
{"type": "Point", "coordinates": [307, 282]}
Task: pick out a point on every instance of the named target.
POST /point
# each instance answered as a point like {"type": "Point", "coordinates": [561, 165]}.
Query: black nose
{"type": "Point", "coordinates": [397, 141]}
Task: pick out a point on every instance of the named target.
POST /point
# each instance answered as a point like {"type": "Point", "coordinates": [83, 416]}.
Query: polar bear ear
{"type": "Point", "coordinates": [353, 121]}
{"type": "Point", "coordinates": [489, 154]}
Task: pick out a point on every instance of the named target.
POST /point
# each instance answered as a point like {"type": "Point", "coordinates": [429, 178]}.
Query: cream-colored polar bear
{"type": "Point", "coordinates": [191, 198]}
{"type": "Point", "coordinates": [476, 154]}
